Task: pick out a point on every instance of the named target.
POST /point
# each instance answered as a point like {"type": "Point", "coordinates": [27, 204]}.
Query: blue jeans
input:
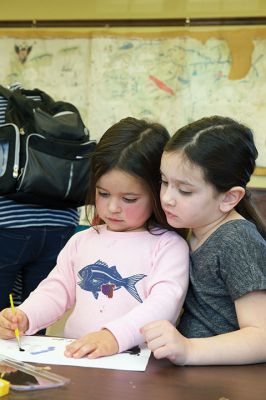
{"type": "Point", "coordinates": [30, 253]}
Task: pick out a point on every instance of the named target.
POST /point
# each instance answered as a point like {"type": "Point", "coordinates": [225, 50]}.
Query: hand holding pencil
{"type": "Point", "coordinates": [13, 322]}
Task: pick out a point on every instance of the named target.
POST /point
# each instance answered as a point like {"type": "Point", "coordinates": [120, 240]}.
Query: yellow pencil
{"type": "Point", "coordinates": [16, 330]}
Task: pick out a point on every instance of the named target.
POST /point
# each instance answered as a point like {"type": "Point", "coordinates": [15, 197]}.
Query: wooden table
{"type": "Point", "coordinates": [161, 381]}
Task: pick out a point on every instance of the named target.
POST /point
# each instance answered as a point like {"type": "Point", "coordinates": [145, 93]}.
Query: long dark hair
{"type": "Point", "coordinates": [226, 152]}
{"type": "Point", "coordinates": [134, 146]}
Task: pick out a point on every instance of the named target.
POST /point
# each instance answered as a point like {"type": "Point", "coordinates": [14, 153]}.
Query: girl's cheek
{"type": "Point", "coordinates": [130, 212]}
{"type": "Point", "coordinates": [99, 204]}
{"type": "Point", "coordinates": [138, 213]}
{"type": "Point", "coordinates": [134, 213]}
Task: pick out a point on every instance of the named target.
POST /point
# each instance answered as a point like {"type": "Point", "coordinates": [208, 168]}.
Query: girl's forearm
{"type": "Point", "coordinates": [245, 346]}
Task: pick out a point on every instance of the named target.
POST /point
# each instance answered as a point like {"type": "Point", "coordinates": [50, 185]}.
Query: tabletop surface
{"type": "Point", "coordinates": [160, 381]}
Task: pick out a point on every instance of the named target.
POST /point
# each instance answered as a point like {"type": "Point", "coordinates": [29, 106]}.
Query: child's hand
{"type": "Point", "coordinates": [9, 321]}
{"type": "Point", "coordinates": [93, 345]}
{"type": "Point", "coordinates": [166, 342]}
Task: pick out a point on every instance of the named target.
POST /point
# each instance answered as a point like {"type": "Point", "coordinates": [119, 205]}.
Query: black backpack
{"type": "Point", "coordinates": [45, 150]}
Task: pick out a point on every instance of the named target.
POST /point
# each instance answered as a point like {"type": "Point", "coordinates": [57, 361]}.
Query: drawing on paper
{"type": "Point", "coordinates": [50, 350]}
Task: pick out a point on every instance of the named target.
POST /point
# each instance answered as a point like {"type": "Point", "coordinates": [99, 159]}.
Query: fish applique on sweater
{"type": "Point", "coordinates": [98, 277]}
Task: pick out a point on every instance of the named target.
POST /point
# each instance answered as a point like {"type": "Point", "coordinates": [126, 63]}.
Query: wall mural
{"type": "Point", "coordinates": [172, 78]}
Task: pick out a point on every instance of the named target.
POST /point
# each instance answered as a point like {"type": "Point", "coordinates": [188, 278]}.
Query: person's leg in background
{"type": "Point", "coordinates": [15, 245]}
{"type": "Point", "coordinates": [27, 256]}
{"type": "Point", "coordinates": [46, 247]}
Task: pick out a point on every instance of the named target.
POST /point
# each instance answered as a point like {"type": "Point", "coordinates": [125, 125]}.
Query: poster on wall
{"type": "Point", "coordinates": [170, 79]}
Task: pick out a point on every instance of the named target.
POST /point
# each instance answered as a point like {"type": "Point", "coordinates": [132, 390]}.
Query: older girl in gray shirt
{"type": "Point", "coordinates": [205, 168]}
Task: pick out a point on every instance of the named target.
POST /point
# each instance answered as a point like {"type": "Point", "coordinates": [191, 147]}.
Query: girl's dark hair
{"type": "Point", "coordinates": [134, 146]}
{"type": "Point", "coordinates": [226, 152]}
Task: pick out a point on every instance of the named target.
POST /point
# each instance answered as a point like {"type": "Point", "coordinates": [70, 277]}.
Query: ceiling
{"type": "Point", "coordinates": [130, 9]}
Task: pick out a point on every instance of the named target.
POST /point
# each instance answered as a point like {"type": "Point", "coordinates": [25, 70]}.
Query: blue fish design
{"type": "Point", "coordinates": [94, 276]}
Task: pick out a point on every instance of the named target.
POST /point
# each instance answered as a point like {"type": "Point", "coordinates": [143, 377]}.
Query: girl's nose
{"type": "Point", "coordinates": [114, 206]}
{"type": "Point", "coordinates": [167, 197]}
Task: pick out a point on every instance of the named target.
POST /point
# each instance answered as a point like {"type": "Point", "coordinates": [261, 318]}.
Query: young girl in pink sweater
{"type": "Point", "coordinates": [126, 271]}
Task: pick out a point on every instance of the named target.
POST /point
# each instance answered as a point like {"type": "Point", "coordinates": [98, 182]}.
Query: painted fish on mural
{"type": "Point", "coordinates": [95, 277]}
{"type": "Point", "coordinates": [161, 85]}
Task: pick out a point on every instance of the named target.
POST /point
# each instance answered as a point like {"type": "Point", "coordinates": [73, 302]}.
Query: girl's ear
{"type": "Point", "coordinates": [231, 198]}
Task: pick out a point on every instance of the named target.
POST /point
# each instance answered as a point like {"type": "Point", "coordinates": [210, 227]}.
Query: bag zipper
{"type": "Point", "coordinates": [70, 179]}
{"type": "Point", "coordinates": [15, 168]}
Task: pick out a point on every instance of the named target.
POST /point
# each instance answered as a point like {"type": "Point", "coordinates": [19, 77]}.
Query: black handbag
{"type": "Point", "coordinates": [45, 159]}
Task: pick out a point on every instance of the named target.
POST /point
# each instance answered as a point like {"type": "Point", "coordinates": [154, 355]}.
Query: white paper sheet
{"type": "Point", "coordinates": [50, 350]}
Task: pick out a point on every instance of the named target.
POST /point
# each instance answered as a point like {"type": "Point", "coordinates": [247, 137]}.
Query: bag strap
{"type": "Point", "coordinates": [6, 93]}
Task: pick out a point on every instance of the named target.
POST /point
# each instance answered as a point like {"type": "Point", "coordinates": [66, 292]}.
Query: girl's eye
{"type": "Point", "coordinates": [164, 183]}
{"type": "Point", "coordinates": [129, 200]}
{"type": "Point", "coordinates": [103, 194]}
{"type": "Point", "coordinates": [185, 193]}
